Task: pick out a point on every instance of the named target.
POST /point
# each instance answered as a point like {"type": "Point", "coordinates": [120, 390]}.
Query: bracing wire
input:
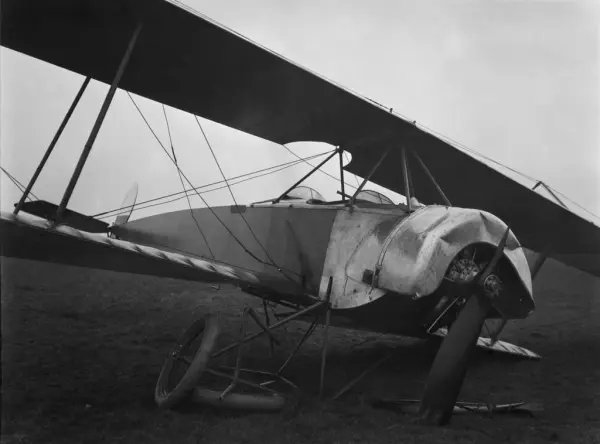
{"type": "Point", "coordinates": [533, 179]}
{"type": "Point", "coordinates": [445, 138]}
{"type": "Point", "coordinates": [272, 262]}
{"type": "Point", "coordinates": [573, 202]}
{"type": "Point", "coordinates": [190, 184]}
{"type": "Point", "coordinates": [462, 146]}
{"type": "Point", "coordinates": [457, 144]}
{"type": "Point", "coordinates": [141, 206]}
{"type": "Point", "coordinates": [13, 180]}
{"type": "Point", "coordinates": [18, 184]}
{"type": "Point", "coordinates": [337, 179]}
{"type": "Point", "coordinates": [183, 185]}
{"type": "Point", "coordinates": [198, 194]}
{"type": "Point", "coordinates": [138, 206]}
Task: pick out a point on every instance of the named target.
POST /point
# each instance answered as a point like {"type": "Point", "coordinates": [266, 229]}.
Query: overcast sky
{"type": "Point", "coordinates": [515, 80]}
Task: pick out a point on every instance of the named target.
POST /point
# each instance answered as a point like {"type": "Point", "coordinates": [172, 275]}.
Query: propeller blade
{"type": "Point", "coordinates": [497, 255]}
{"type": "Point", "coordinates": [450, 364]}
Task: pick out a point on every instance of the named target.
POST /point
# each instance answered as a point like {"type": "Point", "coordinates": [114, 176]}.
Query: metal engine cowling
{"type": "Point", "coordinates": [418, 253]}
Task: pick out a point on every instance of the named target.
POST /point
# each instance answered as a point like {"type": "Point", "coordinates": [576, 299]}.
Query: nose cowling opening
{"type": "Point", "coordinates": [503, 288]}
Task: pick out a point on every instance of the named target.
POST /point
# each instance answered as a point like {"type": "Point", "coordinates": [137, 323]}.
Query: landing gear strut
{"type": "Point", "coordinates": [182, 371]}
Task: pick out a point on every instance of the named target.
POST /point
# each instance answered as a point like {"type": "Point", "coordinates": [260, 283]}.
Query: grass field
{"type": "Point", "coordinates": [81, 351]}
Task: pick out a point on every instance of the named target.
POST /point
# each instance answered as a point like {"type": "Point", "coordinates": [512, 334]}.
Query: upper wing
{"type": "Point", "coordinates": [196, 65]}
{"type": "Point", "coordinates": [31, 237]}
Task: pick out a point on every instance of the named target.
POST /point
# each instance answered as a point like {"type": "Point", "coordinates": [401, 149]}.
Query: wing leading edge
{"type": "Point", "coordinates": [31, 237]}
{"type": "Point", "coordinates": [193, 64]}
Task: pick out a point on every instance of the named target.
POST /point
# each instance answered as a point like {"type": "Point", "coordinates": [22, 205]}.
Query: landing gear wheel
{"type": "Point", "coordinates": [449, 367]}
{"type": "Point", "coordinates": [171, 390]}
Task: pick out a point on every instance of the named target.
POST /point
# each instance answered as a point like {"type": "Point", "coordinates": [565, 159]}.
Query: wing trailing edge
{"type": "Point", "coordinates": [497, 346]}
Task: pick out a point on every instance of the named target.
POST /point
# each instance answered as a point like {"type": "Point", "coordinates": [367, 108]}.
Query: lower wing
{"type": "Point", "coordinates": [498, 346]}
{"type": "Point", "coordinates": [31, 237]}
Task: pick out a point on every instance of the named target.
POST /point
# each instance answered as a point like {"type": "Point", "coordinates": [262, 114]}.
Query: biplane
{"type": "Point", "coordinates": [439, 265]}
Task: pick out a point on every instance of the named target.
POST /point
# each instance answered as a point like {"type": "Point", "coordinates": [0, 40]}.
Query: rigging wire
{"type": "Point", "coordinates": [237, 206]}
{"type": "Point", "coordinates": [139, 207]}
{"type": "Point", "coordinates": [18, 184]}
{"type": "Point", "coordinates": [533, 179]}
{"type": "Point", "coordinates": [14, 180]}
{"type": "Point", "coordinates": [462, 146]}
{"type": "Point", "coordinates": [275, 168]}
{"type": "Point", "coordinates": [573, 202]}
{"type": "Point", "coordinates": [447, 139]}
{"type": "Point", "coordinates": [124, 209]}
{"type": "Point", "coordinates": [188, 181]}
{"type": "Point", "coordinates": [457, 144]}
{"type": "Point", "coordinates": [337, 179]}
{"type": "Point", "coordinates": [198, 194]}
{"type": "Point", "coordinates": [183, 185]}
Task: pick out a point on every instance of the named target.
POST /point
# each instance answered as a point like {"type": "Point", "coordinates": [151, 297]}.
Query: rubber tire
{"type": "Point", "coordinates": [209, 329]}
{"type": "Point", "coordinates": [238, 401]}
{"type": "Point", "coordinates": [450, 364]}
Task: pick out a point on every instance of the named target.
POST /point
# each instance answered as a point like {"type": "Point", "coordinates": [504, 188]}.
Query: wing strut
{"type": "Point", "coordinates": [51, 146]}
{"type": "Point", "coordinates": [406, 179]}
{"type": "Point", "coordinates": [366, 179]}
{"type": "Point", "coordinates": [342, 172]}
{"type": "Point", "coordinates": [96, 128]}
{"type": "Point", "coordinates": [437, 186]}
{"type": "Point", "coordinates": [308, 174]}
{"type": "Point", "coordinates": [539, 182]}
{"type": "Point", "coordinates": [541, 259]}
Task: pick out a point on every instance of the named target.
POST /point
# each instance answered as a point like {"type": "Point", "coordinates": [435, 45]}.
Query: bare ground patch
{"type": "Point", "coordinates": [81, 351]}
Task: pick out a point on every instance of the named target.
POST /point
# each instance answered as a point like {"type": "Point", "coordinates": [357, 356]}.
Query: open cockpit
{"type": "Point", "coordinates": [309, 195]}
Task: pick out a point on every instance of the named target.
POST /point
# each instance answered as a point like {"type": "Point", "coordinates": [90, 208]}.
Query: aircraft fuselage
{"type": "Point", "coordinates": [386, 265]}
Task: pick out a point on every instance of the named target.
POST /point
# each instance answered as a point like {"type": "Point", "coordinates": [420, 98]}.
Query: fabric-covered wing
{"type": "Point", "coordinates": [191, 63]}
{"type": "Point", "coordinates": [31, 237]}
